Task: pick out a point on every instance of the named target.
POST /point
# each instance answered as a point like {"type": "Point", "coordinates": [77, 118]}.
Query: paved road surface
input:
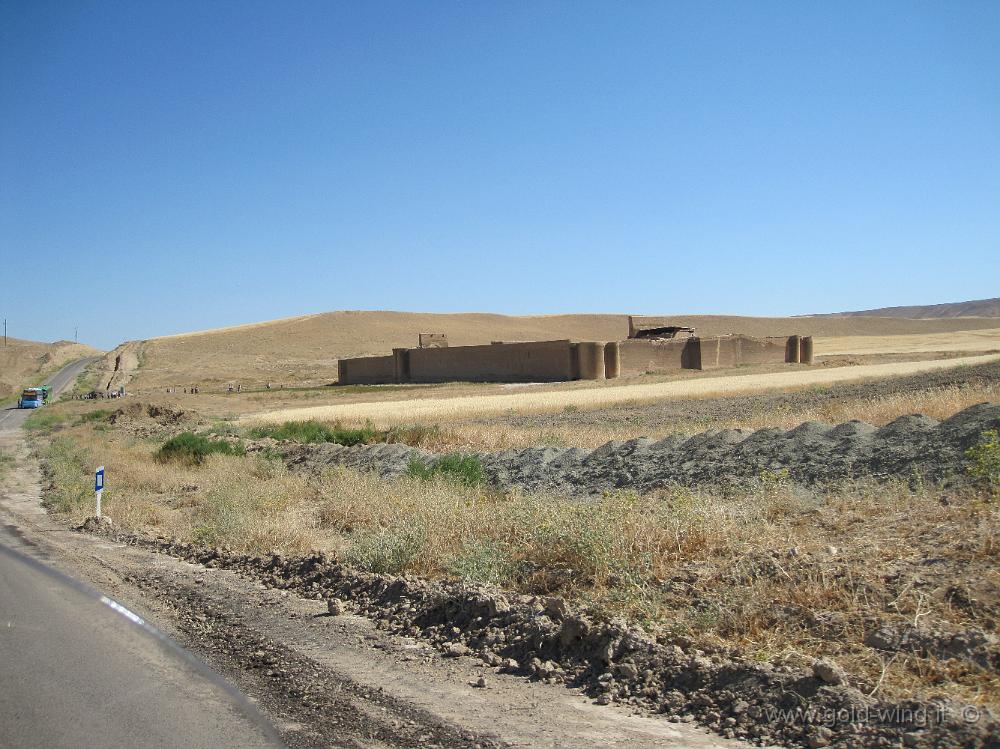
{"type": "Point", "coordinates": [79, 670]}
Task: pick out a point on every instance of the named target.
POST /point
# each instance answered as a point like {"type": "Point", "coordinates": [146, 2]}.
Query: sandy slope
{"type": "Point", "coordinates": [305, 350]}
{"type": "Point", "coordinates": [438, 409]}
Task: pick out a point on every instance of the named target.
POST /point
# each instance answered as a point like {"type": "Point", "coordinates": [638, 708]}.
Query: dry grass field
{"type": "Point", "coordinates": [526, 400]}
{"type": "Point", "coordinates": [304, 350]}
{"type": "Point", "coordinates": [593, 429]}
{"type": "Point", "coordinates": [986, 339]}
{"type": "Point", "coordinates": [24, 363]}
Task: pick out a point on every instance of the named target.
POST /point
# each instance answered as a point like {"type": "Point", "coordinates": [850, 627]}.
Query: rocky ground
{"type": "Point", "coordinates": [812, 453]}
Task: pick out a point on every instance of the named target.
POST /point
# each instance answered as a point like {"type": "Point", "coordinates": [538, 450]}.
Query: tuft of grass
{"type": "Point", "coordinates": [192, 449]}
{"type": "Point", "coordinates": [388, 551]}
{"type": "Point", "coordinates": [466, 470]}
{"type": "Point", "coordinates": [984, 459]}
{"type": "Point", "coordinates": [485, 561]}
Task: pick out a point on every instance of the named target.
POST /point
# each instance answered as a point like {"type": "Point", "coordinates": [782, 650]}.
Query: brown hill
{"type": "Point", "coordinates": [973, 308]}
{"type": "Point", "coordinates": [306, 349]}
{"type": "Point", "coordinates": [26, 363]}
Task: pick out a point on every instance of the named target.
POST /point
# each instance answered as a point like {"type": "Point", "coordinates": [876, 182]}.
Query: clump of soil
{"type": "Point", "coordinates": [148, 420]}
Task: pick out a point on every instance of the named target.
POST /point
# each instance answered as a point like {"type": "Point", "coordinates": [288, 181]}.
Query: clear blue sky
{"type": "Point", "coordinates": [174, 166]}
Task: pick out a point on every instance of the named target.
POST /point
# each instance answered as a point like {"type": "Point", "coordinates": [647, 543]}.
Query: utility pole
{"type": "Point", "coordinates": [76, 336]}
{"type": "Point", "coordinates": [5, 332]}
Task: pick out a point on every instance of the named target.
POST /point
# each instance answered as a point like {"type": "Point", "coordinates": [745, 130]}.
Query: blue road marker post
{"type": "Point", "coordinates": [98, 487]}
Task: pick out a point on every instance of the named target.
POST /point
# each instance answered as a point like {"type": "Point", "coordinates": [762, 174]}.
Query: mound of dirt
{"type": "Point", "coordinates": [777, 701]}
{"type": "Point", "coordinates": [812, 453]}
{"type": "Point", "coordinates": [148, 420]}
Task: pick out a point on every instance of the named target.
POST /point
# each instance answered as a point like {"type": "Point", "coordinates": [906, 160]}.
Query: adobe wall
{"type": "Point", "coordinates": [366, 370]}
{"type": "Point", "coordinates": [638, 355]}
{"type": "Point", "coordinates": [733, 351]}
{"type": "Point", "coordinates": [762, 350]}
{"type": "Point", "coordinates": [541, 361]}
{"type": "Point", "coordinates": [559, 361]}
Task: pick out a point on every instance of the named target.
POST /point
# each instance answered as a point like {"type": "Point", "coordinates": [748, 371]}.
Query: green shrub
{"type": "Point", "coordinates": [192, 449]}
{"type": "Point", "coordinates": [463, 469]}
{"type": "Point", "coordinates": [984, 458]}
{"type": "Point", "coordinates": [388, 551]}
{"type": "Point", "coordinates": [316, 431]}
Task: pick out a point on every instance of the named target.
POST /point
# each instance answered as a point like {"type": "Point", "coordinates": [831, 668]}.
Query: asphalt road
{"type": "Point", "coordinates": [78, 669]}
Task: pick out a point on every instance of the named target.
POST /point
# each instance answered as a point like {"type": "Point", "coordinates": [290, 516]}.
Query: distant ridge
{"type": "Point", "coordinates": [974, 308]}
{"type": "Point", "coordinates": [305, 350]}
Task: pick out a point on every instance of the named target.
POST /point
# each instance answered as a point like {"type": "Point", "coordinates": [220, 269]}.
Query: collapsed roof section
{"type": "Point", "coordinates": [656, 328]}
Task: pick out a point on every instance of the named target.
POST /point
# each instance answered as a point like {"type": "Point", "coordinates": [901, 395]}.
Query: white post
{"type": "Point", "coordinates": [98, 487]}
